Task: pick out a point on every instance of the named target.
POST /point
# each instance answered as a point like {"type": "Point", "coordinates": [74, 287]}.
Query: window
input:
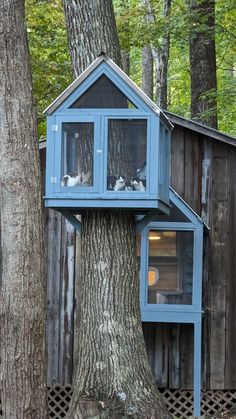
{"type": "Point", "coordinates": [126, 156]}
{"type": "Point", "coordinates": [170, 267]}
{"type": "Point", "coordinates": [77, 154]}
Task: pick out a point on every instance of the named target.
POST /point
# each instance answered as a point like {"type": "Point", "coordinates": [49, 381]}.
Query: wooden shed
{"type": "Point", "coordinates": [203, 173]}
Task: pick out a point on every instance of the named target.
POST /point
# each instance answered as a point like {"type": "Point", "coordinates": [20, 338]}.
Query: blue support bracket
{"type": "Point", "coordinates": [72, 219]}
{"type": "Point", "coordinates": [150, 216]}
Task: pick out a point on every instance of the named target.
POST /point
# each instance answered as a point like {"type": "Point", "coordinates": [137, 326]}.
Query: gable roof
{"type": "Point", "coordinates": [99, 60]}
{"type": "Point", "coordinates": [200, 128]}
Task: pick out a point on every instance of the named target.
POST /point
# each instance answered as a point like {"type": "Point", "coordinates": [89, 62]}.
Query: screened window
{"type": "Point", "coordinates": [103, 94]}
{"type": "Point", "coordinates": [170, 267]}
{"type": "Point", "coordinates": [77, 154]}
{"type": "Point", "coordinates": [127, 153]}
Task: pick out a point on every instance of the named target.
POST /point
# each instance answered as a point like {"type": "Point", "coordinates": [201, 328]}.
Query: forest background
{"type": "Point", "coordinates": [51, 62]}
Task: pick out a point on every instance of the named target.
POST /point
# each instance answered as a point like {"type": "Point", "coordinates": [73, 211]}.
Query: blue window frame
{"type": "Point", "coordinates": [171, 253]}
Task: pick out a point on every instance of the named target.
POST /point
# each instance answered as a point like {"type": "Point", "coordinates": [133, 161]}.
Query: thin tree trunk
{"type": "Point", "coordinates": [147, 71]}
{"type": "Point", "coordinates": [125, 60]}
{"type": "Point", "coordinates": [160, 53]}
{"type": "Point", "coordinates": [203, 61]}
{"type": "Point", "coordinates": [22, 274]}
{"type": "Point", "coordinates": [113, 379]}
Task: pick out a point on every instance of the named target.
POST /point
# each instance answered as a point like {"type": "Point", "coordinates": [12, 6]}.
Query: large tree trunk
{"type": "Point", "coordinates": [113, 378]}
{"type": "Point", "coordinates": [203, 61]}
{"type": "Point", "coordinates": [91, 30]}
{"type": "Point", "coordinates": [22, 278]}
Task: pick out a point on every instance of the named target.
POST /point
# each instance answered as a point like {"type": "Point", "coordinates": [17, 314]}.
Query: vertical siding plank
{"type": "Point", "coordinates": [161, 349]}
{"type": "Point", "coordinates": [148, 332]}
{"type": "Point", "coordinates": [206, 214]}
{"type": "Point", "coordinates": [76, 303]}
{"type": "Point", "coordinates": [192, 172]}
{"type": "Point", "coordinates": [174, 356]}
{"type": "Point", "coordinates": [53, 246]}
{"type": "Point", "coordinates": [67, 302]}
{"type": "Point", "coordinates": [186, 356]}
{"type": "Point", "coordinates": [177, 160]}
{"type": "Point", "coordinates": [230, 375]}
{"type": "Point", "coordinates": [219, 266]}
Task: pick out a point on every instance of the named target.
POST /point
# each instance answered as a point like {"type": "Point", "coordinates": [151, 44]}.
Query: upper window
{"type": "Point", "coordinates": [77, 154]}
{"type": "Point", "coordinates": [103, 94]}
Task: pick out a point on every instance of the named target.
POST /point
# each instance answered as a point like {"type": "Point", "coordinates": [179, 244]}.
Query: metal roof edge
{"type": "Point", "coordinates": [202, 129]}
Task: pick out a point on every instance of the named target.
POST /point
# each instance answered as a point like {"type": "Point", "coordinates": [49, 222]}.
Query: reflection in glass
{"type": "Point", "coordinates": [77, 154]}
{"type": "Point", "coordinates": [170, 262]}
{"type": "Point", "coordinates": [126, 161]}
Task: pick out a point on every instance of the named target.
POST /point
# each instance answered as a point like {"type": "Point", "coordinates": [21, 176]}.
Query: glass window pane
{"type": "Point", "coordinates": [77, 154]}
{"type": "Point", "coordinates": [103, 94]}
{"type": "Point", "coordinates": [170, 272]}
{"type": "Point", "coordinates": [126, 161]}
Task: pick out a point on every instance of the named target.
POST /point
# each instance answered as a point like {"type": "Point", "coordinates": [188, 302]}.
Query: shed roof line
{"type": "Point", "coordinates": [202, 129]}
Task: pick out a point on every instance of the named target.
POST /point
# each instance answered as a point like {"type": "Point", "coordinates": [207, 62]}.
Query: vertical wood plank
{"type": "Point", "coordinates": [53, 246]}
{"type": "Point", "coordinates": [192, 172]}
{"type": "Point", "coordinates": [206, 214]}
{"type": "Point", "coordinates": [76, 303]}
{"type": "Point", "coordinates": [174, 356]}
{"type": "Point", "coordinates": [148, 332]}
{"type": "Point", "coordinates": [177, 160]}
{"type": "Point", "coordinates": [66, 302]}
{"type": "Point", "coordinates": [230, 373]}
{"type": "Point", "coordinates": [186, 356]}
{"type": "Point", "coordinates": [161, 350]}
{"type": "Point", "coordinates": [219, 266]}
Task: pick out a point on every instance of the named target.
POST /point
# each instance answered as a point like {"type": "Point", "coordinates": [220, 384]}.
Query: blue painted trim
{"type": "Point", "coordinates": [168, 316]}
{"type": "Point", "coordinates": [72, 219]}
{"type": "Point", "coordinates": [145, 220]}
{"type": "Point", "coordinates": [137, 205]}
{"type": "Point", "coordinates": [50, 155]}
{"type": "Point", "coordinates": [116, 79]}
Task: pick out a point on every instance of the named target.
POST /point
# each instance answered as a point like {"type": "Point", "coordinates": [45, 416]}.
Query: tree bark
{"type": "Point", "coordinates": [22, 274]}
{"type": "Point", "coordinates": [203, 61]}
{"type": "Point", "coordinates": [113, 379]}
{"type": "Point", "coordinates": [160, 53]}
{"type": "Point", "coordinates": [147, 71]}
{"type": "Point", "coordinates": [86, 42]}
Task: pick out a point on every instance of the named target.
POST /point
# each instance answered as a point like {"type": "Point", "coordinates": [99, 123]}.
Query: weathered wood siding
{"type": "Point", "coordinates": [204, 174]}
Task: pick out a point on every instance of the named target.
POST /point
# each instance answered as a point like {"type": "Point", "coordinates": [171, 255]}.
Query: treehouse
{"type": "Point", "coordinates": [108, 145]}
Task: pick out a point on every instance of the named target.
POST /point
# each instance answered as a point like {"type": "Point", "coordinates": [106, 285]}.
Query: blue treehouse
{"type": "Point", "coordinates": [108, 146]}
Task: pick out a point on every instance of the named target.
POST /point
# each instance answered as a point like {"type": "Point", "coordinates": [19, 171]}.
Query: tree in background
{"type": "Point", "coordinates": [52, 72]}
{"type": "Point", "coordinates": [114, 378]}
{"type": "Point", "coordinates": [203, 61]}
{"type": "Point", "coordinates": [22, 276]}
{"type": "Point", "coordinates": [48, 52]}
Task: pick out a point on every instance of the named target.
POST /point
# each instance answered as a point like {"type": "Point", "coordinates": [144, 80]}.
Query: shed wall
{"type": "Point", "coordinates": [204, 175]}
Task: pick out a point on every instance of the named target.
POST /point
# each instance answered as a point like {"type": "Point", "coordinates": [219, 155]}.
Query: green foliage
{"type": "Point", "coordinates": [226, 64]}
{"type": "Point", "coordinates": [137, 26]}
{"type": "Point", "coordinates": [49, 53]}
